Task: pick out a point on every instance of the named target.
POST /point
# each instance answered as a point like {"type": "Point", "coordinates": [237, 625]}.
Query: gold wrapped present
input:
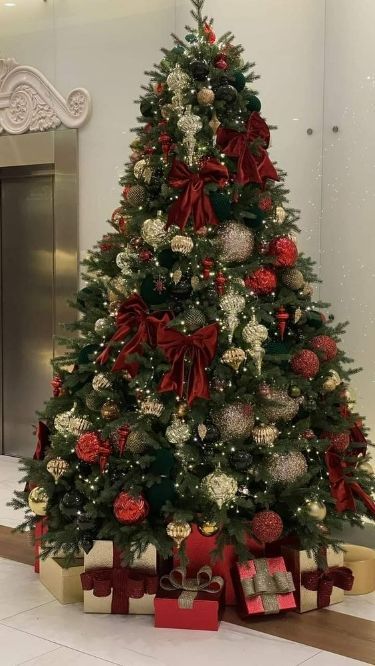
{"type": "Point", "coordinates": [110, 587]}
{"type": "Point", "coordinates": [361, 561]}
{"type": "Point", "coordinates": [317, 588]}
{"type": "Point", "coordinates": [64, 584]}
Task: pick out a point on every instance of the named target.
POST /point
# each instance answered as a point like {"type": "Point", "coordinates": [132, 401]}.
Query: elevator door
{"type": "Point", "coordinates": [27, 244]}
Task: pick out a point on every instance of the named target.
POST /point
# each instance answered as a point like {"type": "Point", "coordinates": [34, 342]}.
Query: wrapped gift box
{"type": "Point", "coordinates": [63, 583]}
{"type": "Point", "coordinates": [264, 586]}
{"type": "Point", "coordinates": [189, 603]}
{"type": "Point", "coordinates": [198, 549]}
{"type": "Point", "coordinates": [317, 588]}
{"type": "Point", "coordinates": [109, 587]}
{"type": "Point", "coordinates": [361, 561]}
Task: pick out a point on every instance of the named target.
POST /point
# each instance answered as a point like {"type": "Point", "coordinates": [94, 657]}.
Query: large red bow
{"type": "Point", "coordinates": [124, 583]}
{"type": "Point", "coordinates": [194, 200]}
{"type": "Point", "coordinates": [199, 349]}
{"type": "Point", "coordinates": [133, 317]}
{"type": "Point", "coordinates": [323, 582]}
{"type": "Point", "coordinates": [344, 489]}
{"type": "Point", "coordinates": [252, 167]}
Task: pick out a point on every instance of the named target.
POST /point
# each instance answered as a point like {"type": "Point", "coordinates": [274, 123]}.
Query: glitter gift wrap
{"type": "Point", "coordinates": [63, 583]}
{"type": "Point", "coordinates": [316, 588]}
{"type": "Point", "coordinates": [264, 586]}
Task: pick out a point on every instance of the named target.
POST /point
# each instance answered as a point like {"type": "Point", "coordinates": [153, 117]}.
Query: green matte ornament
{"type": "Point", "coordinates": [146, 108]}
{"type": "Point", "coordinates": [191, 38]}
{"type": "Point", "coordinates": [294, 391]}
{"type": "Point", "coordinates": [177, 50]}
{"type": "Point", "coordinates": [254, 103]}
{"type": "Point", "coordinates": [159, 494]}
{"type": "Point", "coordinates": [221, 205]}
{"type": "Point", "coordinates": [167, 258]}
{"type": "Point", "coordinates": [255, 222]}
{"type": "Point", "coordinates": [239, 80]}
{"type": "Point", "coordinates": [89, 297]}
{"type": "Point", "coordinates": [149, 294]}
{"type": "Point", "coordinates": [314, 319]}
{"type": "Point", "coordinates": [85, 354]}
{"type": "Point", "coordinates": [163, 462]}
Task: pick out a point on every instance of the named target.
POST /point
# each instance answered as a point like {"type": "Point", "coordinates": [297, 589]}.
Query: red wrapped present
{"type": "Point", "coordinates": [40, 530]}
{"type": "Point", "coordinates": [199, 549]}
{"type": "Point", "coordinates": [264, 586]}
{"type": "Point", "coordinates": [189, 603]}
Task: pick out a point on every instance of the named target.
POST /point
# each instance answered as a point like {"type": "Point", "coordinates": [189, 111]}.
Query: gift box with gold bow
{"type": "Point", "coordinates": [189, 603]}
{"type": "Point", "coordinates": [109, 587]}
{"type": "Point", "coordinates": [264, 586]}
{"type": "Point", "coordinates": [317, 588]}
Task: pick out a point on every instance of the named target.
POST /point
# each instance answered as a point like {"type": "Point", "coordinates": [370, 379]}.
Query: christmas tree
{"type": "Point", "coordinates": [203, 384]}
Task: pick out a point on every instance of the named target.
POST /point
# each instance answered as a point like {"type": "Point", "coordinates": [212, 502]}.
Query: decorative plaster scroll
{"type": "Point", "coordinates": [30, 103]}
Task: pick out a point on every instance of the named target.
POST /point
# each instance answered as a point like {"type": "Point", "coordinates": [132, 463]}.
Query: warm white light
{"type": "Point", "coordinates": [9, 4]}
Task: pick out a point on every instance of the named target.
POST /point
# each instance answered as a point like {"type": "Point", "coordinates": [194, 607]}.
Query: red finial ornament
{"type": "Point", "coordinates": [220, 282]}
{"type": "Point", "coordinates": [122, 435]}
{"type": "Point", "coordinates": [166, 143]}
{"type": "Point", "coordinates": [282, 317]}
{"type": "Point", "coordinates": [207, 264]}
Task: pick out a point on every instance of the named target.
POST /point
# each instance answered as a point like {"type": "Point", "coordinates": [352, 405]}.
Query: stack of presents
{"type": "Point", "coordinates": [286, 579]}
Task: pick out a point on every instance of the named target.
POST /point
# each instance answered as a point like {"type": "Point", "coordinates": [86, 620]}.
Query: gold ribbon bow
{"type": "Point", "coordinates": [203, 582]}
{"type": "Point", "coordinates": [267, 585]}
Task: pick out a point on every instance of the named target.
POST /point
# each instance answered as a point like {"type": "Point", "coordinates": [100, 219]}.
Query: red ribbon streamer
{"type": "Point", "coordinates": [199, 348]}
{"type": "Point", "coordinates": [251, 167]}
{"type": "Point", "coordinates": [194, 201]}
{"type": "Point", "coordinates": [104, 452]}
{"type": "Point", "coordinates": [323, 582]}
{"type": "Point", "coordinates": [125, 583]}
{"type": "Point", "coordinates": [342, 489]}
{"type": "Point", "coordinates": [133, 317]}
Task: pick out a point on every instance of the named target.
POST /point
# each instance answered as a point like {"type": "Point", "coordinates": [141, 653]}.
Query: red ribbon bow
{"type": "Point", "coordinates": [323, 582]}
{"type": "Point", "coordinates": [133, 316]}
{"type": "Point", "coordinates": [344, 489]}
{"type": "Point", "coordinates": [251, 167]}
{"type": "Point", "coordinates": [125, 583]}
{"type": "Point", "coordinates": [194, 200]}
{"type": "Point", "coordinates": [199, 348]}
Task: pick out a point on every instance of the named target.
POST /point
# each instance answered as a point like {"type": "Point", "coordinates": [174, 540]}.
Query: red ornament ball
{"type": "Point", "coordinates": [284, 250]}
{"type": "Point", "coordinates": [267, 526]}
{"type": "Point", "coordinates": [88, 447]}
{"type": "Point", "coordinates": [145, 255]}
{"type": "Point", "coordinates": [339, 440]}
{"type": "Point", "coordinates": [221, 62]}
{"type": "Point", "coordinates": [325, 345]}
{"type": "Point", "coordinates": [262, 282]}
{"type": "Point", "coordinates": [130, 510]}
{"type": "Point", "coordinates": [305, 363]}
{"type": "Point", "coordinates": [265, 203]}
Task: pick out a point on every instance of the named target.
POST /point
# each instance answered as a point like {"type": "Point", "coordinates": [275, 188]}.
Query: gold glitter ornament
{"type": "Point", "coordinates": [287, 467]}
{"type": "Point", "coordinates": [142, 170]}
{"type": "Point", "coordinates": [153, 231]}
{"type": "Point", "coordinates": [178, 431]}
{"type": "Point", "coordinates": [182, 244]}
{"type": "Point", "coordinates": [235, 242]}
{"type": "Point", "coordinates": [110, 411]}
{"type": "Point", "coordinates": [214, 124]}
{"type": "Point", "coordinates": [178, 81]}
{"type": "Point", "coordinates": [232, 305]}
{"type": "Point", "coordinates": [136, 441]}
{"type": "Point", "coordinates": [219, 487]}
{"type": "Point", "coordinates": [178, 530]}
{"type": "Point", "coordinates": [136, 195]}
{"type": "Point", "coordinates": [94, 401]}
{"type": "Point", "coordinates": [265, 435]}
{"type": "Point", "coordinates": [57, 467]}
{"type": "Point", "coordinates": [68, 422]}
{"type": "Point", "coordinates": [177, 275]}
{"type": "Point", "coordinates": [189, 124]}
{"type": "Point", "coordinates": [205, 96]}
{"type": "Point", "coordinates": [297, 315]}
{"type": "Point", "coordinates": [101, 382]}
{"type": "Point", "coordinates": [194, 318]}
{"type": "Point", "coordinates": [234, 357]}
{"type": "Point", "coordinates": [307, 290]}
{"type": "Point", "coordinates": [254, 334]}
{"type": "Point", "coordinates": [280, 214]}
{"type": "Point", "coordinates": [122, 261]}
{"type": "Point", "coordinates": [279, 406]}
{"type": "Point", "coordinates": [235, 421]}
{"type": "Point", "coordinates": [38, 500]}
{"type": "Point", "coordinates": [208, 528]}
{"type": "Point", "coordinates": [292, 278]}
{"type": "Point", "coordinates": [332, 381]}
{"type": "Point", "coordinates": [316, 510]}
{"type": "Point", "coordinates": [118, 286]}
{"type": "Point", "coordinates": [151, 407]}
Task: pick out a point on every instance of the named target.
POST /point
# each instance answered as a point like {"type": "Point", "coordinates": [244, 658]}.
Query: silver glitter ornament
{"type": "Point", "coordinates": [100, 382]}
{"type": "Point", "coordinates": [178, 432]}
{"type": "Point", "coordinates": [178, 81]}
{"type": "Point", "coordinates": [142, 170]}
{"type": "Point", "coordinates": [194, 318]}
{"type": "Point", "coordinates": [219, 487]}
{"type": "Point", "coordinates": [189, 124]}
{"type": "Point", "coordinates": [254, 334]}
{"type": "Point", "coordinates": [279, 406]}
{"type": "Point", "coordinates": [232, 304]}
{"type": "Point", "coordinates": [122, 261]}
{"type": "Point", "coordinates": [103, 326]}
{"type": "Point", "coordinates": [287, 467]}
{"type": "Point", "coordinates": [235, 421]}
{"type": "Point", "coordinates": [154, 231]}
{"type": "Point", "coordinates": [182, 244]}
{"type": "Point", "coordinates": [265, 435]}
{"type": "Point", "coordinates": [235, 241]}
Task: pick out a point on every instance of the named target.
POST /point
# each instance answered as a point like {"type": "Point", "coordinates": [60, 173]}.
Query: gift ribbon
{"type": "Point", "coordinates": [190, 587]}
{"type": "Point", "coordinates": [268, 585]}
{"type": "Point", "coordinates": [193, 201]}
{"type": "Point", "coordinates": [133, 317]}
{"type": "Point", "coordinates": [323, 582]}
{"type": "Point", "coordinates": [342, 489]}
{"type": "Point", "coordinates": [199, 348]}
{"type": "Point", "coordinates": [124, 583]}
{"type": "Point", "coordinates": [251, 167]}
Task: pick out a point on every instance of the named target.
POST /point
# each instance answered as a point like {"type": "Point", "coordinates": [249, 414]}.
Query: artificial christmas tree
{"type": "Point", "coordinates": [205, 385]}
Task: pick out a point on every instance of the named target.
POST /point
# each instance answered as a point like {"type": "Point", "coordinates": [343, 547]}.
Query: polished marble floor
{"type": "Point", "coordinates": [36, 630]}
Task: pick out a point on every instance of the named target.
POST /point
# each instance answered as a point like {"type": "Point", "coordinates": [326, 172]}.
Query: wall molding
{"type": "Point", "coordinates": [30, 103]}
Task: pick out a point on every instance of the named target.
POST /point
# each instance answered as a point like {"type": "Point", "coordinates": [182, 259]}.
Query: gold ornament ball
{"type": "Point", "coordinates": [365, 467]}
{"type": "Point", "coordinates": [208, 528]}
{"type": "Point", "coordinates": [178, 530]}
{"type": "Point", "coordinates": [38, 500]}
{"type": "Point", "coordinates": [235, 242]}
{"type": "Point", "coordinates": [292, 278]}
{"type": "Point", "coordinates": [178, 431]}
{"type": "Point", "coordinates": [153, 231]}
{"type": "Point", "coordinates": [151, 407]}
{"type": "Point", "coordinates": [220, 487]}
{"type": "Point", "coordinates": [110, 411]}
{"type": "Point", "coordinates": [234, 357]}
{"type": "Point", "coordinates": [136, 195]}
{"type": "Point", "coordinates": [136, 442]}
{"type": "Point", "coordinates": [182, 244]}
{"type": "Point", "coordinates": [57, 467]}
{"type": "Point", "coordinates": [142, 170]}
{"type": "Point", "coordinates": [234, 420]}
{"type": "Point", "coordinates": [265, 435]}
{"type": "Point", "coordinates": [287, 467]}
{"type": "Point", "coordinates": [205, 96]}
{"type": "Point", "coordinates": [316, 510]}
{"type": "Point", "coordinates": [101, 382]}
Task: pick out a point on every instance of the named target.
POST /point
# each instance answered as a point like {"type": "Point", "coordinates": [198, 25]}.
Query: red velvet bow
{"type": "Point", "coordinates": [194, 200]}
{"type": "Point", "coordinates": [251, 167]}
{"type": "Point", "coordinates": [125, 583]}
{"type": "Point", "coordinates": [199, 348]}
{"type": "Point", "coordinates": [323, 582]}
{"type": "Point", "coordinates": [133, 316]}
{"type": "Point", "coordinates": [344, 490]}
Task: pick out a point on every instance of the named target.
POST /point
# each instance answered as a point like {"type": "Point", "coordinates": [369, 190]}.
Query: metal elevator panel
{"type": "Point", "coordinates": [27, 305]}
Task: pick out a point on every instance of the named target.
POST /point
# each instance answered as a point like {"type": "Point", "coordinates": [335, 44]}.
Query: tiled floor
{"type": "Point", "coordinates": [36, 630]}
